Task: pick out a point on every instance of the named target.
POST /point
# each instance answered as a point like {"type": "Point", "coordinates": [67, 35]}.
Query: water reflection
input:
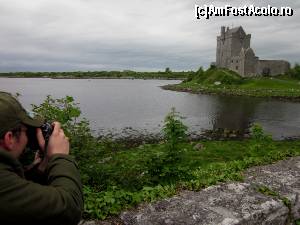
{"type": "Point", "coordinates": [279, 118]}
{"type": "Point", "coordinates": [234, 113]}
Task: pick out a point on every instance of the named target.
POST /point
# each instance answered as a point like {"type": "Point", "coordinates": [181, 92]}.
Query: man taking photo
{"type": "Point", "coordinates": [55, 195]}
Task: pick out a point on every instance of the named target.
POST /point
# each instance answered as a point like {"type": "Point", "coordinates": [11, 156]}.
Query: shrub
{"type": "Point", "coordinates": [212, 66]}
{"type": "Point", "coordinates": [168, 70]}
{"type": "Point", "coordinates": [164, 166]}
{"type": "Point", "coordinates": [67, 112]}
{"type": "Point", "coordinates": [295, 72]}
{"type": "Point", "coordinates": [257, 133]}
{"type": "Point", "coordinates": [198, 75]}
{"type": "Point", "coordinates": [174, 130]}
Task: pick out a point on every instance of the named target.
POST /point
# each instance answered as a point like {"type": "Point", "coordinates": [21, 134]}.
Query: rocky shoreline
{"type": "Point", "coordinates": [212, 91]}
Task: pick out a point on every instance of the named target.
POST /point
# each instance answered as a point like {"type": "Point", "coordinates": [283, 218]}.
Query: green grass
{"type": "Point", "coordinates": [132, 163]}
{"type": "Point", "coordinates": [232, 84]}
{"type": "Point", "coordinates": [222, 75]}
{"type": "Point", "coordinates": [271, 83]}
{"type": "Point", "coordinates": [122, 181]}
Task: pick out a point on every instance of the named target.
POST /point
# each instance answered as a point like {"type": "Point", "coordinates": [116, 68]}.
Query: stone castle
{"type": "Point", "coordinates": [234, 52]}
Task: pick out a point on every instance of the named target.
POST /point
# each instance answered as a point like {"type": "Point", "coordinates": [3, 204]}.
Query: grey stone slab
{"type": "Point", "coordinates": [282, 177]}
{"type": "Point", "coordinates": [234, 203]}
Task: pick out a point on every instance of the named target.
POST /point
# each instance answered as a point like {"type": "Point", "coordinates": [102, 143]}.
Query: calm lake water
{"type": "Point", "coordinates": [118, 104]}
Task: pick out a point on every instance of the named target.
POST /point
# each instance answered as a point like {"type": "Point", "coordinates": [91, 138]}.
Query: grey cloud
{"type": "Point", "coordinates": [68, 35]}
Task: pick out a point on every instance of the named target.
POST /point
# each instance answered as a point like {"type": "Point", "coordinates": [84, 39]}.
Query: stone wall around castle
{"type": "Point", "coordinates": [250, 62]}
{"type": "Point", "coordinates": [250, 66]}
{"type": "Point", "coordinates": [272, 67]}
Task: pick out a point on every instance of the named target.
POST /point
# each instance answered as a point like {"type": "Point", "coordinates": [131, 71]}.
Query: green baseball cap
{"type": "Point", "coordinates": [12, 113]}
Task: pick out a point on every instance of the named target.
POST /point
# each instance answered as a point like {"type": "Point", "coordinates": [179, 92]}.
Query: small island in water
{"type": "Point", "coordinates": [228, 82]}
{"type": "Point", "coordinates": [238, 71]}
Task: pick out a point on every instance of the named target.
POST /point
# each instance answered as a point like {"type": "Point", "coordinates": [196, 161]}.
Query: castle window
{"type": "Point", "coordinates": [237, 61]}
{"type": "Point", "coordinates": [232, 61]}
{"type": "Point", "coordinates": [237, 67]}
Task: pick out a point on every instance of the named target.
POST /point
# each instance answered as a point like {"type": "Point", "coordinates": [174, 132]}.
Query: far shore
{"type": "Point", "coordinates": [126, 74]}
{"type": "Point", "coordinates": [127, 78]}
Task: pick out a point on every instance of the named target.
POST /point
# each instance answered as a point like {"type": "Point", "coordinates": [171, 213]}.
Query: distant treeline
{"type": "Point", "coordinates": [167, 74]}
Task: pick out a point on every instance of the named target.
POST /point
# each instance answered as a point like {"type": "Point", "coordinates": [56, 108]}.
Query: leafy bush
{"type": "Point", "coordinates": [260, 141]}
{"type": "Point", "coordinates": [168, 70]}
{"type": "Point", "coordinates": [111, 202]}
{"type": "Point", "coordinates": [212, 66]}
{"type": "Point", "coordinates": [67, 112]}
{"type": "Point", "coordinates": [174, 130]}
{"type": "Point", "coordinates": [198, 75]}
{"type": "Point", "coordinates": [294, 72]}
{"type": "Point", "coordinates": [257, 133]}
{"type": "Point", "coordinates": [164, 166]}
{"type": "Point", "coordinates": [189, 78]}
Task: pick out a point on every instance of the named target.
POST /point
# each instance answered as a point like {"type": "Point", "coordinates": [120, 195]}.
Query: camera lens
{"type": "Point", "coordinates": [47, 130]}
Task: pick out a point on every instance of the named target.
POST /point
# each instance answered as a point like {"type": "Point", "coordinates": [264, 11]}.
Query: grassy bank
{"type": "Point", "coordinates": [116, 178]}
{"type": "Point", "coordinates": [226, 82]}
{"type": "Point", "coordinates": [127, 182]}
{"type": "Point", "coordinates": [126, 74]}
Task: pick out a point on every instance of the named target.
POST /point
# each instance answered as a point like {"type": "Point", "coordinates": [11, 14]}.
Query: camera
{"type": "Point", "coordinates": [47, 130]}
{"type": "Point", "coordinates": [33, 144]}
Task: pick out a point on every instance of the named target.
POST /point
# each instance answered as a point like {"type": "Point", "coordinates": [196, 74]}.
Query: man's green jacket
{"type": "Point", "coordinates": [59, 202]}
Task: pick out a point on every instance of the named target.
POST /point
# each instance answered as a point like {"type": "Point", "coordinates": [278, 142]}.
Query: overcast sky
{"type": "Point", "coordinates": [140, 35]}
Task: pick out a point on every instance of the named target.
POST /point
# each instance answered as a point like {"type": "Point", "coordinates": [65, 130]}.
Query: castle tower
{"type": "Point", "coordinates": [229, 45]}
{"type": "Point", "coordinates": [248, 62]}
